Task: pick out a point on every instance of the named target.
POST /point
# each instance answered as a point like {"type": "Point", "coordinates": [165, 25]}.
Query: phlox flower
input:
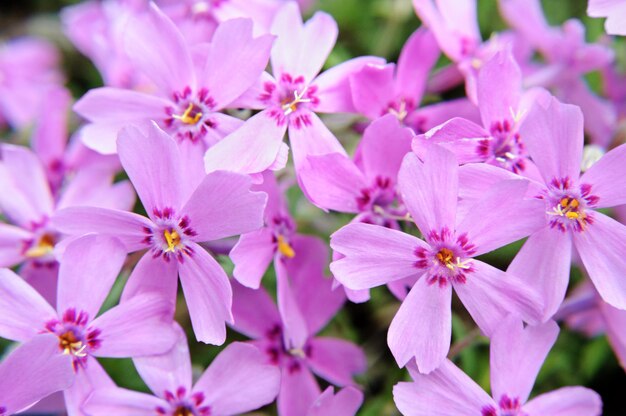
{"type": "Point", "coordinates": [345, 403]}
{"type": "Point", "coordinates": [516, 355]}
{"type": "Point", "coordinates": [236, 382]}
{"type": "Point", "coordinates": [398, 89]}
{"type": "Point", "coordinates": [454, 236]}
{"type": "Point", "coordinates": [291, 98]}
{"type": "Point", "coordinates": [31, 372]}
{"type": "Point", "coordinates": [286, 335]}
{"type": "Point", "coordinates": [553, 134]}
{"type": "Point", "coordinates": [183, 211]}
{"type": "Point", "coordinates": [89, 267]}
{"type": "Point", "coordinates": [614, 11]}
{"type": "Point", "coordinates": [190, 89]}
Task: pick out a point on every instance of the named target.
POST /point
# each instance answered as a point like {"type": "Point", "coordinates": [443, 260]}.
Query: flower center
{"type": "Point", "coordinates": [191, 115]}
{"type": "Point", "coordinates": [172, 238]}
{"type": "Point", "coordinates": [75, 338]}
{"type": "Point", "coordinates": [43, 247]}
{"type": "Point", "coordinates": [183, 411]}
{"type": "Point", "coordinates": [284, 247]}
{"type": "Point", "coordinates": [567, 205]}
{"type": "Point", "coordinates": [189, 118]}
{"type": "Point", "coordinates": [291, 106]}
{"type": "Point", "coordinates": [181, 404]}
{"type": "Point", "coordinates": [71, 345]}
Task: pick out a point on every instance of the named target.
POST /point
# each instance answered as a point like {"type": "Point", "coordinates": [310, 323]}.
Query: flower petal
{"type": "Point", "coordinates": [417, 58]}
{"type": "Point", "coordinates": [336, 360]}
{"type": "Point", "coordinates": [345, 403]}
{"type": "Point", "coordinates": [11, 244]}
{"type": "Point", "coordinates": [298, 391]}
{"type": "Point", "coordinates": [254, 311]}
{"type": "Point", "coordinates": [312, 140]}
{"type": "Point", "coordinates": [566, 401]}
{"type": "Point", "coordinates": [252, 255]}
{"type": "Point", "coordinates": [372, 89]}
{"type": "Point", "coordinates": [116, 401]}
{"type": "Point", "coordinates": [499, 87]}
{"type": "Point", "coordinates": [604, 177]}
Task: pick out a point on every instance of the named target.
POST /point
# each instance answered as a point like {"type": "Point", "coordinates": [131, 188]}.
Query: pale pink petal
{"type": "Point", "coordinates": [345, 403]}
{"type": "Point", "coordinates": [208, 295]}
{"type": "Point", "coordinates": [142, 279]}
{"type": "Point", "coordinates": [252, 148]}
{"type": "Point", "coordinates": [430, 189]}
{"type": "Point", "coordinates": [252, 255]}
{"type": "Point", "coordinates": [23, 312]}
{"type": "Point", "coordinates": [554, 136]}
{"type": "Point", "coordinates": [499, 87]}
{"type": "Point", "coordinates": [127, 227]}
{"type": "Point", "coordinates": [223, 206]}
{"type": "Point", "coordinates": [234, 51]}
{"type": "Point", "coordinates": [444, 392]}
{"type": "Point", "coordinates": [100, 137]}
{"type": "Point", "coordinates": [506, 199]}
{"type": "Point", "coordinates": [566, 401]}
{"type": "Point", "coordinates": [332, 181]}
{"type": "Point", "coordinates": [604, 177]}
{"type": "Point", "coordinates": [154, 166]}
{"type": "Point", "coordinates": [116, 401]}
{"type": "Point", "coordinates": [33, 371]}
{"type": "Point", "coordinates": [157, 48]}
{"type": "Point", "coordinates": [312, 140]}
{"type": "Point", "coordinates": [517, 354]}
{"type": "Point", "coordinates": [417, 59]}
{"type": "Point", "coordinates": [254, 311]}
{"type": "Point", "coordinates": [50, 133]}
{"type": "Point", "coordinates": [295, 330]}
{"type": "Point", "coordinates": [334, 86]}
{"type": "Point", "coordinates": [128, 329]}
{"type": "Point", "coordinates": [298, 391]}
{"type": "Point", "coordinates": [615, 321]}
{"type": "Point", "coordinates": [489, 295]}
{"type": "Point", "coordinates": [544, 263]}
{"type": "Point", "coordinates": [89, 267]}
{"type": "Point", "coordinates": [374, 255]}
{"type": "Point", "coordinates": [373, 89]}
{"type": "Point", "coordinates": [11, 244]}
{"type": "Point", "coordinates": [289, 29]}
{"type": "Point", "coordinates": [167, 371]}
{"type": "Point", "coordinates": [336, 360]}
{"type": "Point", "coordinates": [601, 246]}
{"type": "Point", "coordinates": [109, 105]}
{"type": "Point", "coordinates": [428, 337]}
{"type": "Point", "coordinates": [43, 278]}
{"type": "Point", "coordinates": [238, 381]}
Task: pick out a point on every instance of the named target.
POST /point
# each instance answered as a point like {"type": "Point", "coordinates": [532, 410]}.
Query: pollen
{"type": "Point", "coordinates": [289, 107]}
{"type": "Point", "coordinates": [172, 238]}
{"type": "Point", "coordinates": [445, 257]}
{"type": "Point", "coordinates": [71, 345]}
{"type": "Point", "coordinates": [44, 246]}
{"type": "Point", "coordinates": [284, 248]}
{"type": "Point", "coordinates": [183, 411]}
{"type": "Point", "coordinates": [191, 115]}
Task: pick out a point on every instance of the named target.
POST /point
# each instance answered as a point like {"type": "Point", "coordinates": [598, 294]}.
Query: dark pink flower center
{"type": "Point", "coordinates": [400, 108]}
{"type": "Point", "coordinates": [191, 116]}
{"type": "Point", "coordinates": [508, 407]}
{"type": "Point", "coordinates": [380, 195]}
{"type": "Point", "coordinates": [279, 354]}
{"type": "Point", "coordinates": [181, 404]}
{"type": "Point", "coordinates": [283, 228]}
{"type": "Point", "coordinates": [290, 100]}
{"type": "Point", "coordinates": [566, 205]}
{"type": "Point", "coordinates": [170, 236]}
{"type": "Point", "coordinates": [448, 260]}
{"type": "Point", "coordinates": [504, 147]}
{"type": "Point", "coordinates": [75, 337]}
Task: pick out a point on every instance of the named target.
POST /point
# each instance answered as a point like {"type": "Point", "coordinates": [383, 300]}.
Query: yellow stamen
{"type": "Point", "coordinates": [291, 106]}
{"type": "Point", "coordinates": [284, 248]}
{"type": "Point", "coordinates": [401, 113]}
{"type": "Point", "coordinates": [297, 352]}
{"type": "Point", "coordinates": [44, 246]}
{"type": "Point", "coordinates": [572, 215]}
{"type": "Point", "coordinates": [187, 116]}
{"type": "Point", "coordinates": [172, 238]}
{"type": "Point", "coordinates": [71, 346]}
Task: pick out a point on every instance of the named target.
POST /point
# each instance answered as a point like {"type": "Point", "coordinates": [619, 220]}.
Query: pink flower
{"type": "Point", "coordinates": [614, 11]}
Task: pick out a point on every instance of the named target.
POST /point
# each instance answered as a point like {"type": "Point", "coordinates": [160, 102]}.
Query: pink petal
{"type": "Point", "coordinates": [336, 360]}
{"type": "Point", "coordinates": [604, 176]}
{"type": "Point", "coordinates": [566, 401]}
{"type": "Point", "coordinates": [427, 338]}
{"type": "Point", "coordinates": [91, 378]}
{"type": "Point", "coordinates": [554, 137]}
{"type": "Point", "coordinates": [312, 140]}
{"type": "Point", "coordinates": [345, 403]}
{"type": "Point", "coordinates": [430, 189]}
{"type": "Point", "coordinates": [417, 59]}
{"type": "Point", "coordinates": [238, 380]}
{"type": "Point", "coordinates": [384, 144]}
{"type": "Point", "coordinates": [233, 50]}
{"type": "Point", "coordinates": [127, 227]}
{"type": "Point", "coordinates": [254, 311]}
{"type": "Point", "coordinates": [208, 295]}
{"type": "Point", "coordinates": [332, 181]}
{"type": "Point", "coordinates": [167, 371]}
{"type": "Point", "coordinates": [544, 263]}
{"type": "Point", "coordinates": [157, 48]}
{"type": "Point", "coordinates": [298, 391]}
{"type": "Point", "coordinates": [295, 330]}
{"type": "Point", "coordinates": [489, 295]}
{"type": "Point", "coordinates": [517, 354]}
{"type": "Point", "coordinates": [89, 267]}
{"type": "Point", "coordinates": [37, 360]}
{"type": "Point", "coordinates": [101, 138]}
{"type": "Point", "coordinates": [95, 188]}
{"type": "Point", "coordinates": [142, 280]}
{"type": "Point", "coordinates": [23, 312]}
{"type": "Point", "coordinates": [374, 255]}
{"type": "Point", "coordinates": [128, 329]}
{"type": "Point", "coordinates": [154, 166]}
{"type": "Point", "coordinates": [506, 200]}
{"type": "Point", "coordinates": [11, 244]}
{"type": "Point", "coordinates": [334, 88]}
{"type": "Point", "coordinates": [116, 401]}
{"type": "Point", "coordinates": [50, 133]}
{"type": "Point", "coordinates": [252, 148]}
{"type": "Point", "coordinates": [373, 89]}
{"type": "Point", "coordinates": [444, 392]}
{"type": "Point", "coordinates": [43, 279]}
{"type": "Point", "coordinates": [601, 246]}
{"type": "Point", "coordinates": [252, 255]}
{"type": "Point", "coordinates": [223, 206]}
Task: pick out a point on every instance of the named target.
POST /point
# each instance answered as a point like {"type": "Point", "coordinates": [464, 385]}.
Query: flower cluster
{"type": "Point", "coordinates": [180, 159]}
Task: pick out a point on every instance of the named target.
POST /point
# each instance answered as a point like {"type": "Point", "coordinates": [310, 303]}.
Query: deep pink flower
{"type": "Point", "coordinates": [375, 255]}
{"type": "Point", "coordinates": [517, 354]}
{"type": "Point", "coordinates": [183, 210]}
